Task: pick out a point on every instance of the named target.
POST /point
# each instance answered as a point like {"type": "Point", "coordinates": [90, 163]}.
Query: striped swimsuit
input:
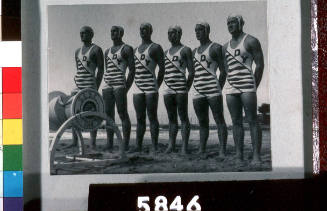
{"type": "Point", "coordinates": [85, 75]}
{"type": "Point", "coordinates": [145, 77]}
{"type": "Point", "coordinates": [175, 70]}
{"type": "Point", "coordinates": [205, 82]}
{"type": "Point", "coordinates": [116, 65]}
{"type": "Point", "coordinates": [240, 76]}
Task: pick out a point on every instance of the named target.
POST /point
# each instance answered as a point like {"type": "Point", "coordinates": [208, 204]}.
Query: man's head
{"type": "Point", "coordinates": [117, 32]}
{"type": "Point", "coordinates": [235, 23]}
{"type": "Point", "coordinates": [174, 34]}
{"type": "Point", "coordinates": [86, 34]}
{"type": "Point", "coordinates": [146, 30]}
{"type": "Point", "coordinates": [202, 30]}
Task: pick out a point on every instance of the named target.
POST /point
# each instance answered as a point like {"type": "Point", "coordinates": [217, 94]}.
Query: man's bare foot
{"type": "Point", "coordinates": [169, 150]}
{"type": "Point", "coordinates": [153, 152]}
{"type": "Point", "coordinates": [138, 149]}
{"type": "Point", "coordinates": [204, 156]}
{"type": "Point", "coordinates": [122, 155]}
{"type": "Point", "coordinates": [135, 150]}
{"type": "Point", "coordinates": [184, 151]}
{"type": "Point", "coordinates": [222, 154]}
{"type": "Point", "coordinates": [256, 161]}
{"type": "Point", "coordinates": [93, 146]}
{"type": "Point", "coordinates": [200, 152]}
{"type": "Point", "coordinates": [239, 161]}
{"type": "Point", "coordinates": [126, 148]}
{"type": "Point", "coordinates": [108, 148]}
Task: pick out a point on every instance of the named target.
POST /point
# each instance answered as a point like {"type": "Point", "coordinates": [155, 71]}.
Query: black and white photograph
{"type": "Point", "coordinates": [159, 88]}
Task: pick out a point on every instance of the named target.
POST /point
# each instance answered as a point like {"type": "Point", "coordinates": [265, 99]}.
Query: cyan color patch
{"type": "Point", "coordinates": [13, 184]}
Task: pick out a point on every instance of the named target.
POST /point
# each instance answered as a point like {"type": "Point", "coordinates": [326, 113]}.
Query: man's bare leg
{"type": "Point", "coordinates": [201, 108]}
{"type": "Point", "coordinates": [121, 102]}
{"type": "Point", "coordinates": [74, 139]}
{"type": "Point", "coordinates": [234, 104]}
{"type": "Point", "coordinates": [249, 101]}
{"type": "Point", "coordinates": [140, 109]}
{"type": "Point", "coordinates": [216, 106]}
{"type": "Point", "coordinates": [109, 103]}
{"type": "Point", "coordinates": [170, 103]}
{"type": "Point", "coordinates": [151, 108]}
{"type": "Point", "coordinates": [93, 136]}
{"type": "Point", "coordinates": [74, 135]}
{"type": "Point", "coordinates": [182, 105]}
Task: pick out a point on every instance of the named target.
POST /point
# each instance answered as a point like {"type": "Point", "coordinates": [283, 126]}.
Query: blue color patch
{"type": "Point", "coordinates": [13, 184]}
{"type": "Point", "coordinates": [13, 204]}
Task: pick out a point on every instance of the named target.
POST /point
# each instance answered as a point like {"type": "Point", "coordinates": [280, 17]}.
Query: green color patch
{"type": "Point", "coordinates": [12, 158]}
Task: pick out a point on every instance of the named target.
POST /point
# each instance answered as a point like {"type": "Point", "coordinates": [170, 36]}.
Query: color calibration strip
{"type": "Point", "coordinates": [11, 131]}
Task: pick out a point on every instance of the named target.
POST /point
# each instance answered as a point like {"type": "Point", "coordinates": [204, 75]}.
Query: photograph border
{"type": "Point", "coordinates": [64, 40]}
{"type": "Point", "coordinates": [287, 157]}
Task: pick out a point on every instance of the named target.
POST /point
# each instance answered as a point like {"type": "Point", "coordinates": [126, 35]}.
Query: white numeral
{"type": "Point", "coordinates": [142, 203]}
{"type": "Point", "coordinates": [161, 204]}
{"type": "Point", "coordinates": [176, 204]}
{"type": "Point", "coordinates": [194, 204]}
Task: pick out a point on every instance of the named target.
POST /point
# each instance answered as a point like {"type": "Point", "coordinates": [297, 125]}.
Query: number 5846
{"type": "Point", "coordinates": [161, 204]}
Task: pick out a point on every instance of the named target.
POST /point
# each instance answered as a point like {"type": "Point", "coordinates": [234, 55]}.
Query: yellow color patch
{"type": "Point", "coordinates": [12, 132]}
{"type": "Point", "coordinates": [0, 131]}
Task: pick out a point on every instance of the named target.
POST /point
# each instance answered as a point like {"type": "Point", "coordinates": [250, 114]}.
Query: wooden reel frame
{"type": "Point", "coordinates": [74, 122]}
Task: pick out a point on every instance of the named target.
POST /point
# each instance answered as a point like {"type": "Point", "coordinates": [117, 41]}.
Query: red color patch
{"type": "Point", "coordinates": [12, 106]}
{"type": "Point", "coordinates": [11, 79]}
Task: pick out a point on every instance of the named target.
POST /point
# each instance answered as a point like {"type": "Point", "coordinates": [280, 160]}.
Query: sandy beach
{"type": "Point", "coordinates": [166, 163]}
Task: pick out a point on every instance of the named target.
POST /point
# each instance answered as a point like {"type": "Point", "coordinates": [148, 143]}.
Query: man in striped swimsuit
{"type": "Point", "coordinates": [88, 58]}
{"type": "Point", "coordinates": [117, 59]}
{"type": "Point", "coordinates": [176, 87]}
{"type": "Point", "coordinates": [242, 83]}
{"type": "Point", "coordinates": [147, 56]}
{"type": "Point", "coordinates": [207, 87]}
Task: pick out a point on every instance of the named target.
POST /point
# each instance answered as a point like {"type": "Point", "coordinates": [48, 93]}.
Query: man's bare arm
{"type": "Point", "coordinates": [99, 57]}
{"type": "Point", "coordinates": [75, 57]}
{"type": "Point", "coordinates": [159, 57]}
{"type": "Point", "coordinates": [188, 55]}
{"type": "Point", "coordinates": [217, 55]}
{"type": "Point", "coordinates": [222, 67]}
{"type": "Point", "coordinates": [128, 54]}
{"type": "Point", "coordinates": [193, 52]}
{"type": "Point", "coordinates": [256, 51]}
{"type": "Point", "coordinates": [224, 62]}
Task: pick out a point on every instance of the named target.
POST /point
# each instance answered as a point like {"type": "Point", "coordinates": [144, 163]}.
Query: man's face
{"type": "Point", "coordinates": [86, 35]}
{"type": "Point", "coordinates": [233, 25]}
{"type": "Point", "coordinates": [115, 33]}
{"type": "Point", "coordinates": [200, 32]}
{"type": "Point", "coordinates": [173, 36]}
{"type": "Point", "coordinates": [145, 32]}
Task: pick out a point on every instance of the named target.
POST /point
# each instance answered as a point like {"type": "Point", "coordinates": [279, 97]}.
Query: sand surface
{"type": "Point", "coordinates": [162, 162]}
